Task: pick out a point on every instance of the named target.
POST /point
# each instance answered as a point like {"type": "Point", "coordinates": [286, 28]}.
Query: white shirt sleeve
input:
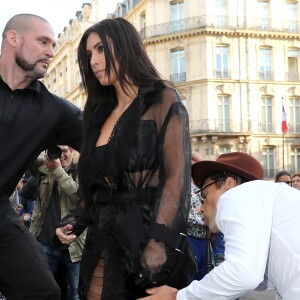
{"type": "Point", "coordinates": [244, 215]}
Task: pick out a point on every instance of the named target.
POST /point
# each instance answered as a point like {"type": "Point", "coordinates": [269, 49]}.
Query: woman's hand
{"type": "Point", "coordinates": [154, 256]}
{"type": "Point", "coordinates": [64, 234]}
{"type": "Point", "coordinates": [19, 208]}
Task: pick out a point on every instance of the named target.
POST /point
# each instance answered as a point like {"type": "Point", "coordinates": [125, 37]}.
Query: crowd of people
{"type": "Point", "coordinates": [119, 224]}
{"type": "Point", "coordinates": [286, 177]}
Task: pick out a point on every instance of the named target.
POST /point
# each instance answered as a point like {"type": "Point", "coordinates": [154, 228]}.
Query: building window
{"type": "Point", "coordinates": [263, 19]}
{"type": "Point", "coordinates": [143, 25]}
{"type": "Point", "coordinates": [78, 77]}
{"type": "Point", "coordinates": [61, 90]}
{"type": "Point", "coordinates": [293, 62]}
{"type": "Point", "coordinates": [224, 113]}
{"type": "Point", "coordinates": [178, 66]}
{"type": "Point", "coordinates": [177, 16]}
{"type": "Point", "coordinates": [221, 13]}
{"type": "Point", "coordinates": [143, 20]}
{"type": "Point", "coordinates": [222, 70]}
{"type": "Point", "coordinates": [130, 4]}
{"type": "Point", "coordinates": [293, 117]}
{"type": "Point", "coordinates": [60, 75]}
{"type": "Point", "coordinates": [295, 159]}
{"type": "Point", "coordinates": [266, 115]}
{"type": "Point", "coordinates": [290, 22]}
{"type": "Point", "coordinates": [265, 68]}
{"type": "Point", "coordinates": [121, 9]}
{"type": "Point", "coordinates": [224, 149]}
{"type": "Point", "coordinates": [79, 102]}
{"type": "Point", "coordinates": [268, 156]}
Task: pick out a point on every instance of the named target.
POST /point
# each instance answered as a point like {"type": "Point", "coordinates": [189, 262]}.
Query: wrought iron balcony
{"type": "Point", "coordinates": [177, 78]}
{"type": "Point", "coordinates": [219, 21]}
{"type": "Point", "coordinates": [270, 173]}
{"type": "Point", "coordinates": [265, 75]}
{"type": "Point", "coordinates": [266, 127]}
{"type": "Point", "coordinates": [282, 25]}
{"type": "Point", "coordinates": [220, 126]}
{"type": "Point", "coordinates": [263, 23]}
{"type": "Point", "coordinates": [292, 76]}
{"type": "Point", "coordinates": [290, 26]}
{"type": "Point", "coordinates": [172, 27]}
{"type": "Point", "coordinates": [222, 74]}
{"type": "Point", "coordinates": [294, 128]}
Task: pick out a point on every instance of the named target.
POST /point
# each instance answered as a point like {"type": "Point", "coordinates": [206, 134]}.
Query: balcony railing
{"type": "Point", "coordinates": [221, 21]}
{"type": "Point", "coordinates": [171, 27]}
{"type": "Point", "coordinates": [292, 76]}
{"type": "Point", "coordinates": [177, 78]}
{"type": "Point", "coordinates": [270, 173]}
{"type": "Point", "coordinates": [220, 126]}
{"type": "Point", "coordinates": [266, 127]}
{"type": "Point", "coordinates": [237, 126]}
{"type": "Point", "coordinates": [265, 75]}
{"type": "Point", "coordinates": [222, 74]}
{"type": "Point", "coordinates": [294, 128]}
{"type": "Point", "coordinates": [263, 23]}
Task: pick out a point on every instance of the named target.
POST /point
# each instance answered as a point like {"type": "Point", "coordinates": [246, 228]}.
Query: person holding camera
{"type": "Point", "coordinates": [15, 196]}
{"type": "Point", "coordinates": [56, 173]}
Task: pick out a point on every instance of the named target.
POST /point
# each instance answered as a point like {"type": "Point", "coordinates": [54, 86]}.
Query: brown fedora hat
{"type": "Point", "coordinates": [236, 163]}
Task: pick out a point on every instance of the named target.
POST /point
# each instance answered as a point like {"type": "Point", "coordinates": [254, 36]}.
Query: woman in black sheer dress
{"type": "Point", "coordinates": [134, 169]}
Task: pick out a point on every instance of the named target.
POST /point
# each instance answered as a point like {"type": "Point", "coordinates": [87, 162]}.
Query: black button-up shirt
{"type": "Point", "coordinates": [31, 120]}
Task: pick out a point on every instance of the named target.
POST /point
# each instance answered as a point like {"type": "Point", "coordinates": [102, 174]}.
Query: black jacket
{"type": "Point", "coordinates": [139, 181]}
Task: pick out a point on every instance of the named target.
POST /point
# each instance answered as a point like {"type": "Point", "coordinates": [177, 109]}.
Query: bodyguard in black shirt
{"type": "Point", "coordinates": [31, 119]}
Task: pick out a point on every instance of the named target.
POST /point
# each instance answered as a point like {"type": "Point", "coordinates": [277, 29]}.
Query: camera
{"type": "Point", "coordinates": [27, 220]}
{"type": "Point", "coordinates": [54, 152]}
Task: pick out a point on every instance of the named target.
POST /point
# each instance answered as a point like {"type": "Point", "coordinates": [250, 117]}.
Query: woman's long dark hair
{"type": "Point", "coordinates": [122, 44]}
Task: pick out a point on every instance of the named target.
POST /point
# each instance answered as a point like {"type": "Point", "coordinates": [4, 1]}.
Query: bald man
{"type": "Point", "coordinates": [31, 120]}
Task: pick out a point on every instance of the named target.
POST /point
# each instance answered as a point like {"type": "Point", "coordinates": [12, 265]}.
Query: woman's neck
{"type": "Point", "coordinates": [125, 99]}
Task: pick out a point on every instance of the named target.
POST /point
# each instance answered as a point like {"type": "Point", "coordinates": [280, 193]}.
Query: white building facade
{"type": "Point", "coordinates": [236, 64]}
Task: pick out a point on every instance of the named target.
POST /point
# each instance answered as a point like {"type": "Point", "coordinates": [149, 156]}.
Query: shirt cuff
{"type": "Point", "coordinates": [181, 294]}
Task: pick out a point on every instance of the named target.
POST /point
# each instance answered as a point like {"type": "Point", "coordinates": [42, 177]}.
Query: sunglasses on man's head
{"type": "Point", "coordinates": [287, 182]}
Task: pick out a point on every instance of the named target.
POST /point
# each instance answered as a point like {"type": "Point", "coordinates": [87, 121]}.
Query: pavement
{"type": "Point", "coordinates": [266, 295]}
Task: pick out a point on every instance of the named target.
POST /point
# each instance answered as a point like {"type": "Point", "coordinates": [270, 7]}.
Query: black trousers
{"type": "Point", "coordinates": [24, 271]}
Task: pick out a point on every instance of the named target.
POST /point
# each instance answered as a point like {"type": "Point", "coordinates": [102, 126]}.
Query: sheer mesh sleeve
{"type": "Point", "coordinates": [173, 191]}
{"type": "Point", "coordinates": [172, 201]}
{"type": "Point", "coordinates": [174, 165]}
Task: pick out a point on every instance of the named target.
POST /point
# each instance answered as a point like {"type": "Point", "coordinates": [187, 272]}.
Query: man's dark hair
{"type": "Point", "coordinates": [224, 175]}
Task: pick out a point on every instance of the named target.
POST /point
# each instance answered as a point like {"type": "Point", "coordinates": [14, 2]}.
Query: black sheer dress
{"type": "Point", "coordinates": [140, 186]}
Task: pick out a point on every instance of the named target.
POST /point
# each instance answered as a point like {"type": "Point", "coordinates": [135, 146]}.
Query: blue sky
{"type": "Point", "coordinates": [58, 18]}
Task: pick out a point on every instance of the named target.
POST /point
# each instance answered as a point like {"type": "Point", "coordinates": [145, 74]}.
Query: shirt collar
{"type": "Point", "coordinates": [34, 85]}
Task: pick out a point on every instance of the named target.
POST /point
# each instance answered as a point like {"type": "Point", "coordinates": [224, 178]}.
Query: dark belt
{"type": "Point", "coordinates": [132, 200]}
{"type": "Point", "coordinates": [119, 197]}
